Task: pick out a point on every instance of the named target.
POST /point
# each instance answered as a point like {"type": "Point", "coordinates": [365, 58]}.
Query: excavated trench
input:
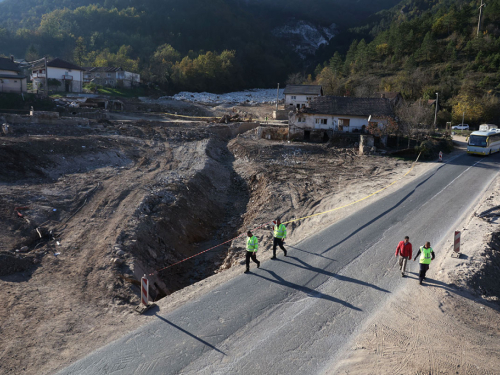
{"type": "Point", "coordinates": [189, 217]}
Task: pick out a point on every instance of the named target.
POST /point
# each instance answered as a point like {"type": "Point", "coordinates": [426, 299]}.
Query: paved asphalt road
{"type": "Point", "coordinates": [293, 315]}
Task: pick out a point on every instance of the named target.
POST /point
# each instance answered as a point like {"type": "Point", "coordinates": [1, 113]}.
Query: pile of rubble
{"type": "Point", "coordinates": [234, 118]}
{"type": "Point", "coordinates": [249, 97]}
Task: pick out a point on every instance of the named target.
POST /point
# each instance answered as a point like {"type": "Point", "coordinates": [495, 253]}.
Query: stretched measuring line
{"type": "Point", "coordinates": [172, 114]}
{"type": "Point", "coordinates": [195, 255]}
{"type": "Point", "coordinates": [288, 222]}
{"type": "Point", "coordinates": [360, 200]}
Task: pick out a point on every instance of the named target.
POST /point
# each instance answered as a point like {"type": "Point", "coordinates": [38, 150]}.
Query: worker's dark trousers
{"type": "Point", "coordinates": [253, 256]}
{"type": "Point", "coordinates": [278, 242]}
{"type": "Point", "coordinates": [423, 270]}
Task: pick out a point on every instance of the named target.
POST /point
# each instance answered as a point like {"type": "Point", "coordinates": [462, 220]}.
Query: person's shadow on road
{"type": "Point", "coordinates": [307, 266]}
{"type": "Point", "coordinates": [310, 292]}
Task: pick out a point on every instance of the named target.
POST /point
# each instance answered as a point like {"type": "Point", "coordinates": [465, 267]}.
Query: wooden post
{"type": "Point", "coordinates": [277, 99]}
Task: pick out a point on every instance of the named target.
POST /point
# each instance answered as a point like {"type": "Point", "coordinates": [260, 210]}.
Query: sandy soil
{"type": "Point", "coordinates": [449, 326]}
{"type": "Point", "coordinates": [122, 199]}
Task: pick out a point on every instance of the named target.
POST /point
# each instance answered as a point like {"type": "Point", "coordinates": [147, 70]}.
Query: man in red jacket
{"type": "Point", "coordinates": [405, 252]}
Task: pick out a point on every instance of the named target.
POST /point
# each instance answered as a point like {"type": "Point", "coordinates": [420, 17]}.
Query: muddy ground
{"type": "Point", "coordinates": [86, 211]}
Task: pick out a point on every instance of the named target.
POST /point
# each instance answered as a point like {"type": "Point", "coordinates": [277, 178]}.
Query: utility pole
{"type": "Point", "coordinates": [436, 112]}
{"type": "Point", "coordinates": [480, 17]}
{"type": "Point", "coordinates": [463, 116]}
{"type": "Point", "coordinates": [277, 99]}
{"type": "Point", "coordinates": [46, 77]}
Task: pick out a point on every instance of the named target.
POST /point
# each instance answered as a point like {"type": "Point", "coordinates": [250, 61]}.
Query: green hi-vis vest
{"type": "Point", "coordinates": [425, 256]}
{"type": "Point", "coordinates": [280, 232]}
{"type": "Point", "coordinates": [252, 244]}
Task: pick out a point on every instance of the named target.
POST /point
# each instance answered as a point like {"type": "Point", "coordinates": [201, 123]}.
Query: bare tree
{"type": "Point", "coordinates": [413, 117]}
{"type": "Point", "coordinates": [296, 79]}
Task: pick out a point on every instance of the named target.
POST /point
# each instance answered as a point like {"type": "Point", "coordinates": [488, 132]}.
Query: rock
{"type": "Point", "coordinates": [118, 261]}
{"type": "Point", "coordinates": [120, 253]}
{"type": "Point", "coordinates": [5, 128]}
{"type": "Point", "coordinates": [23, 249]}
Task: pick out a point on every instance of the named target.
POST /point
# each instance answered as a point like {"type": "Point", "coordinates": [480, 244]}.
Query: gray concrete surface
{"type": "Point", "coordinates": [295, 314]}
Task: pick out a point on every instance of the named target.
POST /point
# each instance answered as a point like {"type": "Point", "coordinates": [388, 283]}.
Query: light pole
{"type": "Point", "coordinates": [480, 17]}
{"type": "Point", "coordinates": [436, 112]}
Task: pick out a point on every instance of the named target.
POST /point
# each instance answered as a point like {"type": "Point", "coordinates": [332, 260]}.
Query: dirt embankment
{"type": "Point", "coordinates": [89, 210]}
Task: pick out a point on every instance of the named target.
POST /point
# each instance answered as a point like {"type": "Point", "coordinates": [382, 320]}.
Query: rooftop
{"type": "Point", "coordinates": [105, 69]}
{"type": "Point", "coordinates": [348, 106]}
{"type": "Point", "coordinates": [303, 90]}
{"type": "Point", "coordinates": [8, 64]}
{"type": "Point", "coordinates": [58, 63]}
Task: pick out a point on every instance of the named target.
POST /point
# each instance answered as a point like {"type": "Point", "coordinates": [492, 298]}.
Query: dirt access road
{"type": "Point", "coordinates": [124, 199]}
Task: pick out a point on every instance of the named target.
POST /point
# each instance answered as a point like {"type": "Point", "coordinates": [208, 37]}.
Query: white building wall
{"type": "Point", "coordinates": [301, 100]}
{"type": "Point", "coordinates": [59, 73]}
{"type": "Point", "coordinates": [332, 122]}
{"type": "Point", "coordinates": [13, 85]}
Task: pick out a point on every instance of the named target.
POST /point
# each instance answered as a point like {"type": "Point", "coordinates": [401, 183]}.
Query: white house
{"type": "Point", "coordinates": [298, 96]}
{"type": "Point", "coordinates": [328, 114]}
{"type": "Point", "coordinates": [12, 78]}
{"type": "Point", "coordinates": [69, 76]}
{"type": "Point", "coordinates": [111, 76]}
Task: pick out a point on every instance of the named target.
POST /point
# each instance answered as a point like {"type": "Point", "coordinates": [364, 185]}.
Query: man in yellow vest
{"type": "Point", "coordinates": [252, 247]}
{"type": "Point", "coordinates": [426, 256]}
{"type": "Point", "coordinates": [279, 234]}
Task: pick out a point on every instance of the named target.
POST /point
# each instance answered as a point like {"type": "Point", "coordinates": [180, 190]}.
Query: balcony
{"type": "Point", "coordinates": [38, 75]}
{"type": "Point", "coordinates": [67, 78]}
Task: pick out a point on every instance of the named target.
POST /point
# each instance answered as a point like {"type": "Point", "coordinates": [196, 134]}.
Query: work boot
{"type": "Point", "coordinates": [420, 282]}
{"type": "Point", "coordinates": [402, 274]}
{"type": "Point", "coordinates": [247, 271]}
{"type": "Point", "coordinates": [284, 252]}
{"type": "Point", "coordinates": [274, 257]}
{"type": "Point", "coordinates": [258, 264]}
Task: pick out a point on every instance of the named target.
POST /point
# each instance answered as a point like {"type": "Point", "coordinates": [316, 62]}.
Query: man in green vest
{"type": "Point", "coordinates": [426, 256]}
{"type": "Point", "coordinates": [279, 234]}
{"type": "Point", "coordinates": [252, 247]}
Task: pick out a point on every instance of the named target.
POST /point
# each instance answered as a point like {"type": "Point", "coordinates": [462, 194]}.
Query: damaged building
{"type": "Point", "coordinates": [327, 115]}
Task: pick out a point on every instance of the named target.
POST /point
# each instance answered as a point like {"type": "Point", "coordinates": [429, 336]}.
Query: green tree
{"type": "Point", "coordinates": [80, 52]}
{"type": "Point", "coordinates": [428, 47]}
{"type": "Point", "coordinates": [32, 53]}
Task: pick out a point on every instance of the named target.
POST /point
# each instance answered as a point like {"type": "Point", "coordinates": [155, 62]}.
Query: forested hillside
{"type": "Point", "coordinates": [418, 47]}
{"type": "Point", "coordinates": [421, 48]}
{"type": "Point", "coordinates": [167, 40]}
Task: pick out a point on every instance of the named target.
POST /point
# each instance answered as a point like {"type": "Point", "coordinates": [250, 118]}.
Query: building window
{"type": "Point", "coordinates": [98, 75]}
{"type": "Point", "coordinates": [111, 82]}
{"type": "Point", "coordinates": [322, 121]}
{"type": "Point", "coordinates": [294, 98]}
{"type": "Point", "coordinates": [302, 119]}
{"type": "Point", "coordinates": [343, 122]}
{"type": "Point", "coordinates": [108, 75]}
{"type": "Point", "coordinates": [308, 98]}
